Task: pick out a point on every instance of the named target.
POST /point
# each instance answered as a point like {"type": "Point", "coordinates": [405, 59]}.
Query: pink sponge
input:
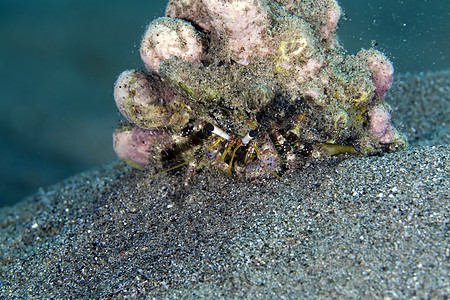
{"type": "Point", "coordinates": [381, 69]}
{"type": "Point", "coordinates": [380, 124]}
{"type": "Point", "coordinates": [134, 145]}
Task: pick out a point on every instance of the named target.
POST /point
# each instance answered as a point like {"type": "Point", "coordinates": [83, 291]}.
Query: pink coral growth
{"type": "Point", "coordinates": [244, 23]}
{"type": "Point", "coordinates": [380, 124]}
{"type": "Point", "coordinates": [381, 68]}
{"type": "Point", "coordinates": [329, 28]}
{"type": "Point", "coordinates": [168, 37]}
{"type": "Point", "coordinates": [133, 145]}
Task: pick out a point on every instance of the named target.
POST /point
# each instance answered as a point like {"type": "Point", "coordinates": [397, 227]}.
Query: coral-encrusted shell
{"type": "Point", "coordinates": [274, 67]}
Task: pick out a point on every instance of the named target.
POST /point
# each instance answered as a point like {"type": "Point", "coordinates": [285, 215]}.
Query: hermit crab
{"type": "Point", "coordinates": [250, 156]}
{"type": "Point", "coordinates": [174, 134]}
{"type": "Point", "coordinates": [251, 88]}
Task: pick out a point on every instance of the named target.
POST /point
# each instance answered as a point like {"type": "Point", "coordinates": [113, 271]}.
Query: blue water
{"type": "Point", "coordinates": [59, 60]}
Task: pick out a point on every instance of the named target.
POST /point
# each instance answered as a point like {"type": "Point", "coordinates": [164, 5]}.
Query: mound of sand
{"type": "Point", "coordinates": [355, 227]}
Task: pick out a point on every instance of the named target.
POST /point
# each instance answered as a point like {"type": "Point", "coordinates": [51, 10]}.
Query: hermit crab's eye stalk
{"type": "Point", "coordinates": [250, 135]}
{"type": "Point", "coordinates": [210, 127]}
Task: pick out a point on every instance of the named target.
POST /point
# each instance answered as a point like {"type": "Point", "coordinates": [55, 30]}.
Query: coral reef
{"type": "Point", "coordinates": [251, 87]}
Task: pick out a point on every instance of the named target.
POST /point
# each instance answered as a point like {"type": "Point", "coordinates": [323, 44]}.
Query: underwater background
{"type": "Point", "coordinates": [59, 61]}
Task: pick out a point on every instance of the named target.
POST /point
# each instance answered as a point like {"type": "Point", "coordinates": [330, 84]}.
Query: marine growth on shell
{"type": "Point", "coordinates": [252, 88]}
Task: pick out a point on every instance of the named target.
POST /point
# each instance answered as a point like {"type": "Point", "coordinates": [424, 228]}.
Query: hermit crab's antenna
{"type": "Point", "coordinates": [222, 158]}
{"type": "Point", "coordinates": [232, 157]}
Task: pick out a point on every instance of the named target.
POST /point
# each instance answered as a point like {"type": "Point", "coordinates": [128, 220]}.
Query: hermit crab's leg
{"type": "Point", "coordinates": [268, 160]}
{"type": "Point", "coordinates": [190, 170]}
{"type": "Point", "coordinates": [285, 149]}
{"type": "Point", "coordinates": [190, 161]}
{"type": "Point", "coordinates": [193, 163]}
{"type": "Point", "coordinates": [232, 142]}
{"type": "Point", "coordinates": [301, 148]}
{"type": "Point", "coordinates": [244, 142]}
{"type": "Point", "coordinates": [185, 140]}
{"type": "Point", "coordinates": [261, 158]}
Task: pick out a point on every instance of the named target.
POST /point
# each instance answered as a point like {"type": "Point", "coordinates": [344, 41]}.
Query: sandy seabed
{"type": "Point", "coordinates": [346, 228]}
